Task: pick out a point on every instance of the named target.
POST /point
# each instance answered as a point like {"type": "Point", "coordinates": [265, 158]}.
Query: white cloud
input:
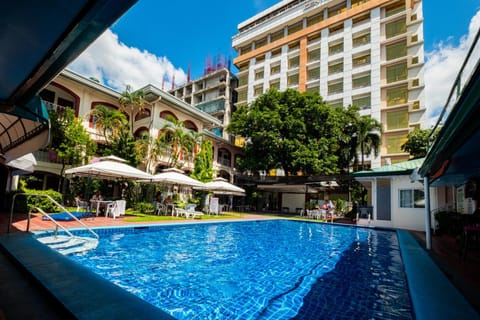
{"type": "Point", "coordinates": [117, 65]}
{"type": "Point", "coordinates": [442, 67]}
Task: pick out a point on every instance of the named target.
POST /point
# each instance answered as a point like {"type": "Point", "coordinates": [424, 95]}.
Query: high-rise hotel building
{"type": "Point", "coordinates": [367, 53]}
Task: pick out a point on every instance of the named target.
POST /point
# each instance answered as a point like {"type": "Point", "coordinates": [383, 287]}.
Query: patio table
{"type": "Point", "coordinates": [100, 203]}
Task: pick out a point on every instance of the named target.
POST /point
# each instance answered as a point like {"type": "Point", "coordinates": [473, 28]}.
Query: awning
{"type": "Point", "coordinates": [24, 164]}
{"type": "Point", "coordinates": [23, 130]}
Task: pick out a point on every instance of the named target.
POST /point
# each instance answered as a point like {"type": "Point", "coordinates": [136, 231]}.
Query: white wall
{"type": "Point", "coordinates": [406, 218]}
{"type": "Point", "coordinates": [293, 201]}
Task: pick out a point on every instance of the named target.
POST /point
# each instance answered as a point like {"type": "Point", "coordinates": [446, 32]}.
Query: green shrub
{"type": "Point", "coordinates": [145, 207]}
{"type": "Point", "coordinates": [26, 203]}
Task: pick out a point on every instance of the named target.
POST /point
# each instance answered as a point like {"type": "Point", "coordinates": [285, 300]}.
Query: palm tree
{"type": "Point", "coordinates": [131, 102]}
{"type": "Point", "coordinates": [109, 121]}
{"type": "Point", "coordinates": [368, 137]}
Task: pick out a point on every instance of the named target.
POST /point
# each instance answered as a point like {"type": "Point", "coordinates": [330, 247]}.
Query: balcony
{"type": "Point", "coordinates": [212, 106]}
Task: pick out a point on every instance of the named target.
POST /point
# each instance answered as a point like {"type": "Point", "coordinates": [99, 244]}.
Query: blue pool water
{"type": "Point", "coordinates": [275, 269]}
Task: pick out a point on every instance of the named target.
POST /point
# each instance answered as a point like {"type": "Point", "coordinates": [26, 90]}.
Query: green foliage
{"type": "Point", "coordinates": [145, 207]}
{"type": "Point", "coordinates": [109, 121]}
{"type": "Point", "coordinates": [27, 203]}
{"type": "Point", "coordinates": [417, 143]}
{"type": "Point", "coordinates": [125, 147]}
{"type": "Point", "coordinates": [296, 132]}
{"type": "Point", "coordinates": [203, 163]}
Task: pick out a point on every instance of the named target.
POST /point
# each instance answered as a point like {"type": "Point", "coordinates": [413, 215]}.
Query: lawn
{"type": "Point", "coordinates": [135, 216]}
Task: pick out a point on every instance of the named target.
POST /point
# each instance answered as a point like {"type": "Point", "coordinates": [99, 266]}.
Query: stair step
{"type": "Point", "coordinates": [67, 245]}
{"type": "Point", "coordinates": [54, 239]}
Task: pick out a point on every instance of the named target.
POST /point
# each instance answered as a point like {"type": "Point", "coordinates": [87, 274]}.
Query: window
{"type": "Point", "coordinates": [275, 53]}
{"type": "Point", "coordinates": [335, 87]}
{"type": "Point", "coordinates": [243, 67]}
{"type": "Point", "coordinates": [336, 48]}
{"type": "Point", "coordinates": [412, 198]}
{"type": "Point", "coordinates": [361, 81]}
{"type": "Point", "coordinates": [276, 36]}
{"type": "Point", "coordinates": [314, 19]}
{"type": "Point", "coordinates": [292, 80]}
{"type": "Point", "coordinates": [260, 43]}
{"type": "Point", "coordinates": [416, 105]}
{"type": "Point", "coordinates": [336, 103]}
{"type": "Point", "coordinates": [313, 55]}
{"type": "Point", "coordinates": [358, 2]}
{"type": "Point", "coordinates": [361, 19]}
{"type": "Point", "coordinates": [414, 38]}
{"type": "Point", "coordinates": [333, 11]}
{"type": "Point", "coordinates": [314, 37]}
{"type": "Point", "coordinates": [397, 120]}
{"type": "Point", "coordinates": [275, 85]}
{"type": "Point", "coordinates": [335, 67]}
{"type": "Point", "coordinates": [275, 69]}
{"type": "Point", "coordinates": [360, 40]}
{"type": "Point", "coordinates": [394, 143]}
{"type": "Point", "coordinates": [258, 90]}
{"type": "Point", "coordinates": [294, 46]}
{"type": "Point", "coordinates": [396, 50]}
{"type": "Point", "coordinates": [242, 95]}
{"type": "Point", "coordinates": [258, 74]}
{"type": "Point", "coordinates": [295, 27]}
{"type": "Point", "coordinates": [363, 102]}
{"type": "Point", "coordinates": [361, 60]}
{"type": "Point", "coordinates": [313, 88]}
{"type": "Point", "coordinates": [413, 17]}
{"type": "Point", "coordinates": [313, 73]}
{"type": "Point", "coordinates": [395, 28]}
{"type": "Point", "coordinates": [414, 59]}
{"type": "Point", "coordinates": [243, 80]}
{"type": "Point", "coordinates": [335, 29]}
{"type": "Point", "coordinates": [397, 72]}
{"type": "Point", "coordinates": [415, 82]}
{"type": "Point", "coordinates": [397, 95]}
{"type": "Point", "coordinates": [294, 62]}
{"type": "Point", "coordinates": [395, 8]}
{"type": "Point", "coordinates": [260, 58]}
{"type": "Point", "coordinates": [245, 49]}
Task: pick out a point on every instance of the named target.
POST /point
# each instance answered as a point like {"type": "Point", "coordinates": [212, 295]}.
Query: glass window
{"type": "Point", "coordinates": [397, 95]}
{"type": "Point", "coordinates": [314, 19]}
{"type": "Point", "coordinates": [276, 36]}
{"type": "Point", "coordinates": [361, 81]}
{"type": "Point", "coordinates": [258, 90]}
{"type": "Point", "coordinates": [358, 2]}
{"type": "Point", "coordinates": [259, 59]}
{"type": "Point", "coordinates": [412, 198]}
{"type": "Point", "coordinates": [396, 50]}
{"type": "Point", "coordinates": [361, 40]}
{"type": "Point", "coordinates": [275, 53]}
{"type": "Point", "coordinates": [295, 27]}
{"type": "Point", "coordinates": [245, 49]}
{"type": "Point", "coordinates": [258, 74]}
{"type": "Point", "coordinates": [397, 120]}
{"type": "Point", "coordinates": [335, 67]}
{"type": "Point", "coordinates": [242, 95]}
{"type": "Point", "coordinates": [361, 60]}
{"type": "Point", "coordinates": [313, 73]}
{"type": "Point", "coordinates": [395, 8]}
{"type": "Point", "coordinates": [313, 88]}
{"type": "Point", "coordinates": [395, 28]}
{"type": "Point", "coordinates": [243, 80]}
{"type": "Point", "coordinates": [336, 103]}
{"type": "Point", "coordinates": [397, 72]}
{"type": "Point", "coordinates": [275, 69]}
{"type": "Point", "coordinates": [333, 11]}
{"type": "Point", "coordinates": [275, 85]}
{"type": "Point", "coordinates": [294, 62]}
{"type": "Point", "coordinates": [335, 48]}
{"type": "Point", "coordinates": [260, 43]}
{"type": "Point", "coordinates": [335, 87]}
{"type": "Point", "coordinates": [335, 29]}
{"type": "Point", "coordinates": [361, 19]}
{"type": "Point", "coordinates": [292, 80]}
{"type": "Point", "coordinates": [394, 143]}
{"type": "Point", "coordinates": [363, 102]}
{"type": "Point", "coordinates": [313, 55]}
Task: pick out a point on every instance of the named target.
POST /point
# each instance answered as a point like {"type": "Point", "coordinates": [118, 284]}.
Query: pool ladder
{"type": "Point", "coordinates": [64, 243]}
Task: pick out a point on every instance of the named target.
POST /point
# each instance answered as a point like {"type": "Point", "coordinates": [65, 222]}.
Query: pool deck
{"type": "Point", "coordinates": [35, 278]}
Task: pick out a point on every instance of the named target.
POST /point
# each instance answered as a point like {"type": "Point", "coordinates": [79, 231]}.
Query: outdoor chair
{"type": "Point", "coordinates": [160, 209]}
{"type": "Point", "coordinates": [116, 208]}
{"type": "Point", "coordinates": [190, 211]}
{"type": "Point", "coordinates": [82, 205]}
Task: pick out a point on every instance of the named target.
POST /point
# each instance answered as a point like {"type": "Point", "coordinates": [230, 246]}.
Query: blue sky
{"type": "Point", "coordinates": [155, 40]}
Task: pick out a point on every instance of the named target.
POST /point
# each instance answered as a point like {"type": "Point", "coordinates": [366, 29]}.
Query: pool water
{"type": "Point", "coordinates": [274, 269]}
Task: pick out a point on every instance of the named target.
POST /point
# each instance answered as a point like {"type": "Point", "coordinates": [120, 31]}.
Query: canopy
{"type": "Point", "coordinates": [108, 169]}
{"type": "Point", "coordinates": [222, 186]}
{"type": "Point", "coordinates": [176, 177]}
{"type": "Point", "coordinates": [24, 163]}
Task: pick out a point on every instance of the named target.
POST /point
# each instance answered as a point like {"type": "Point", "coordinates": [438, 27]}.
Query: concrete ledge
{"type": "Point", "coordinates": [433, 295]}
{"type": "Point", "coordinates": [83, 293]}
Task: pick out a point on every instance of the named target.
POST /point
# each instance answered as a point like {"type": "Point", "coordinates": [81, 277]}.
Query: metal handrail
{"type": "Point", "coordinates": [44, 213]}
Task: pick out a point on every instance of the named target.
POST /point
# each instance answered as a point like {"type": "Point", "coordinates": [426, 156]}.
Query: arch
{"type": "Point", "coordinates": [190, 125]}
{"type": "Point", "coordinates": [70, 92]}
{"type": "Point", "coordinates": [142, 114]}
{"type": "Point", "coordinates": [141, 133]}
{"type": "Point", "coordinates": [166, 113]}
{"type": "Point", "coordinates": [91, 120]}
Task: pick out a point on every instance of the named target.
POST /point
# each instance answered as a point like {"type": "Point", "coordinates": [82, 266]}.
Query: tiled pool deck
{"type": "Point", "coordinates": [80, 294]}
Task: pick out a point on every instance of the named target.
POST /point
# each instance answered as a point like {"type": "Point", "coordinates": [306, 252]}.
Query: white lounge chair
{"type": "Point", "coordinates": [116, 208]}
{"type": "Point", "coordinates": [191, 213]}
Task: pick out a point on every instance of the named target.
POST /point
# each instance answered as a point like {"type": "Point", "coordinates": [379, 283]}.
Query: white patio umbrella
{"type": "Point", "coordinates": [109, 169]}
{"type": "Point", "coordinates": [222, 186]}
{"type": "Point", "coordinates": [174, 176]}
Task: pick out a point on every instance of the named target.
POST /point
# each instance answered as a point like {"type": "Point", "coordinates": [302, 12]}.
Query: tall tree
{"type": "Point", "coordinates": [368, 135]}
{"type": "Point", "coordinates": [177, 141]}
{"type": "Point", "coordinates": [131, 102]}
{"type": "Point", "coordinates": [109, 121]}
{"type": "Point", "coordinates": [289, 130]}
{"type": "Point", "coordinates": [203, 163]}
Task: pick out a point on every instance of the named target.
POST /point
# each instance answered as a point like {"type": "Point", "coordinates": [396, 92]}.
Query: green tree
{"type": "Point", "coordinates": [109, 121]}
{"type": "Point", "coordinates": [290, 130]}
{"type": "Point", "coordinates": [417, 143]}
{"type": "Point", "coordinates": [203, 163]}
{"type": "Point", "coordinates": [131, 102]}
{"type": "Point", "coordinates": [177, 142]}
{"type": "Point", "coordinates": [125, 146]}
{"type": "Point", "coordinates": [72, 142]}
{"type": "Point", "coordinates": [368, 137]}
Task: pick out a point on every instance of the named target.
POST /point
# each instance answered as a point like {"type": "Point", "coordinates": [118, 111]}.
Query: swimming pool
{"type": "Point", "coordinates": [275, 269]}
